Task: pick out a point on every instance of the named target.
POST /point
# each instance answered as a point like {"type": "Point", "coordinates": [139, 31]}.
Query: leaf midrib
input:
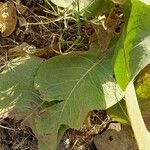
{"type": "Point", "coordinates": [75, 86]}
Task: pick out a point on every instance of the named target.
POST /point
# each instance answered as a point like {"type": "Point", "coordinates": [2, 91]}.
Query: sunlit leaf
{"type": "Point", "coordinates": [17, 84]}
{"type": "Point", "coordinates": [133, 48]}
{"type": "Point", "coordinates": [81, 83]}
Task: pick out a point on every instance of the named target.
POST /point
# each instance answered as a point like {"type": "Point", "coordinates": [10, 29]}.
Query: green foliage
{"type": "Point", "coordinates": [133, 48]}
{"type": "Point", "coordinates": [16, 85]}
{"type": "Point", "coordinates": [46, 127]}
{"type": "Point", "coordinates": [81, 83]}
{"type": "Point", "coordinates": [118, 112]}
{"type": "Point", "coordinates": [68, 86]}
{"type": "Point", "coordinates": [71, 76]}
{"type": "Point", "coordinates": [133, 53]}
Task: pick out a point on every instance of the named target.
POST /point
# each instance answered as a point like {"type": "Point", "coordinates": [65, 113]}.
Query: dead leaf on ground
{"type": "Point", "coordinates": [21, 9]}
{"type": "Point", "coordinates": [109, 26]}
{"type": "Point", "coordinates": [47, 52]}
{"type": "Point", "coordinates": [22, 21]}
{"type": "Point", "coordinates": [21, 50]}
{"type": "Point", "coordinates": [26, 49]}
{"type": "Point", "coordinates": [8, 18]}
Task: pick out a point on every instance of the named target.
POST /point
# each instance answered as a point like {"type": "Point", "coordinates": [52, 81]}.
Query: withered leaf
{"type": "Point", "coordinates": [8, 18]}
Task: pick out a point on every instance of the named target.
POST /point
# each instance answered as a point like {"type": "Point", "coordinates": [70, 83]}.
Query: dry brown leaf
{"type": "Point", "coordinates": [21, 9]}
{"type": "Point", "coordinates": [22, 21]}
{"type": "Point", "coordinates": [8, 18]}
{"type": "Point", "coordinates": [21, 50]}
{"type": "Point", "coordinates": [110, 23]}
{"type": "Point", "coordinates": [103, 37]}
{"type": "Point", "coordinates": [47, 52]}
{"type": "Point", "coordinates": [26, 49]}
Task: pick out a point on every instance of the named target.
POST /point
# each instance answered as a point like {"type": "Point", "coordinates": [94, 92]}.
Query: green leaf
{"type": "Point", "coordinates": [17, 84]}
{"type": "Point", "coordinates": [81, 83]}
{"type": "Point", "coordinates": [133, 49]}
{"type": "Point", "coordinates": [118, 112]}
{"type": "Point", "coordinates": [45, 125]}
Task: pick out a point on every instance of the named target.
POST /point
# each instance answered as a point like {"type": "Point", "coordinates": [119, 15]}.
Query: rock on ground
{"type": "Point", "coordinates": [117, 137]}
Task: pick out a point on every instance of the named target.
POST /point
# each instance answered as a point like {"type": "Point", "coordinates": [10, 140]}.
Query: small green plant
{"type": "Point", "coordinates": [57, 94]}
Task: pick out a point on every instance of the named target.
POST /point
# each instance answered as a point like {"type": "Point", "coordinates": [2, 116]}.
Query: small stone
{"type": "Point", "coordinates": [116, 139]}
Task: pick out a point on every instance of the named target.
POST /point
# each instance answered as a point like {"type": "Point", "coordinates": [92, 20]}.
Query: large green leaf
{"type": "Point", "coordinates": [82, 82]}
{"type": "Point", "coordinates": [133, 48]}
{"type": "Point", "coordinates": [17, 84]}
{"type": "Point", "coordinates": [132, 55]}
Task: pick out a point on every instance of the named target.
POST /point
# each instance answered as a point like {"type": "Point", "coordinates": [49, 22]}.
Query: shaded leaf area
{"type": "Point", "coordinates": [133, 48]}
{"type": "Point", "coordinates": [82, 82]}
{"type": "Point", "coordinates": [17, 86]}
{"type": "Point", "coordinates": [118, 112]}
{"type": "Point", "coordinates": [143, 84]}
